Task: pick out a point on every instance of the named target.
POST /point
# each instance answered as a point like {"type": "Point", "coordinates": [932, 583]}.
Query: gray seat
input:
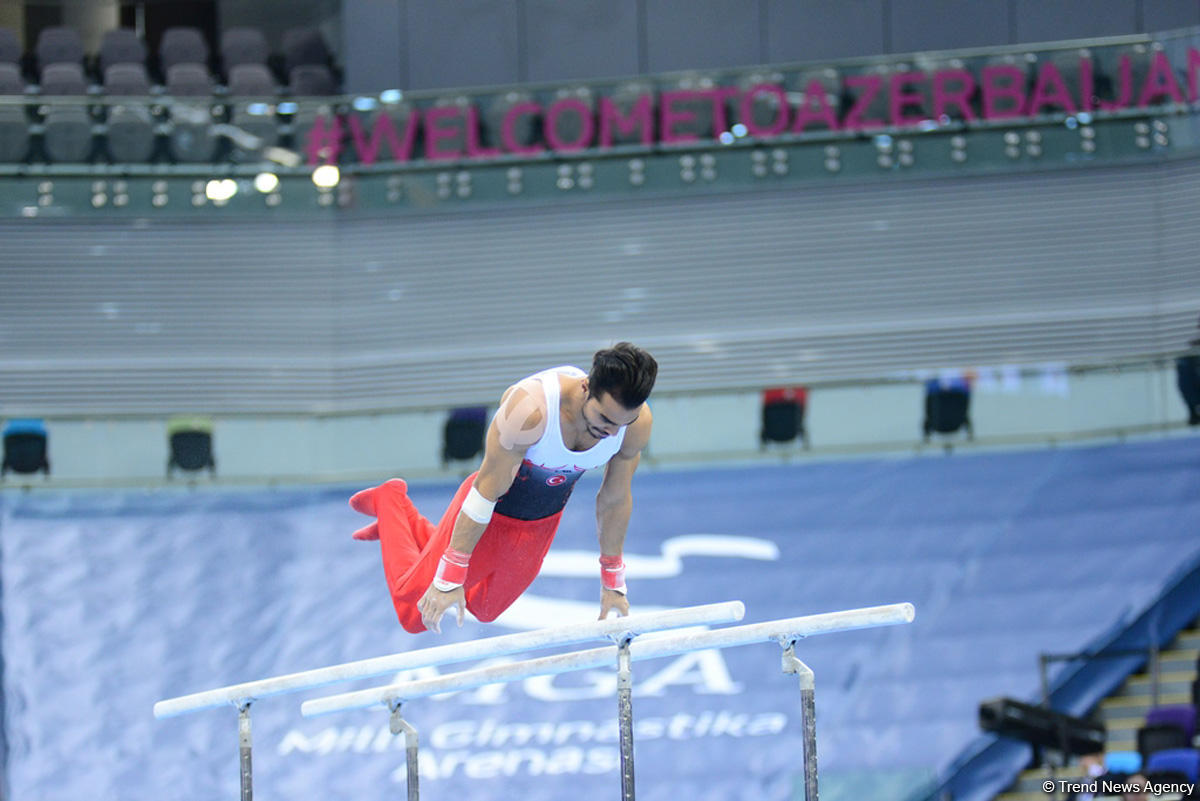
{"type": "Point", "coordinates": [251, 80]}
{"type": "Point", "coordinates": [126, 80]}
{"type": "Point", "coordinates": [182, 45]}
{"type": "Point", "coordinates": [191, 138]}
{"type": "Point", "coordinates": [303, 46]}
{"type": "Point", "coordinates": [10, 79]}
{"type": "Point", "coordinates": [14, 125]}
{"type": "Point", "coordinates": [63, 79]}
{"type": "Point", "coordinates": [59, 45]}
{"type": "Point", "coordinates": [188, 80]}
{"type": "Point", "coordinates": [10, 48]}
{"type": "Point", "coordinates": [311, 80]}
{"type": "Point", "coordinates": [121, 46]}
{"type": "Point", "coordinates": [241, 46]}
{"type": "Point", "coordinates": [130, 129]}
{"type": "Point", "coordinates": [67, 128]}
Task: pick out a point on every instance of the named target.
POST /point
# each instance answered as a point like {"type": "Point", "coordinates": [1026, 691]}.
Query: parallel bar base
{"type": "Point", "coordinates": [411, 744]}
{"type": "Point", "coordinates": [244, 746]}
{"type": "Point", "coordinates": [808, 716]}
{"type": "Point", "coordinates": [625, 715]}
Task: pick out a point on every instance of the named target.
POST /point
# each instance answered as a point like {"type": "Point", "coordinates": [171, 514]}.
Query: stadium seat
{"type": "Point", "coordinates": [1187, 374]}
{"type": "Point", "coordinates": [304, 46]}
{"type": "Point", "coordinates": [58, 45]}
{"type": "Point", "coordinates": [182, 45]}
{"type": "Point", "coordinates": [1123, 762]}
{"type": "Point", "coordinates": [311, 80]}
{"type": "Point", "coordinates": [130, 130]}
{"type": "Point", "coordinates": [947, 408]}
{"type": "Point", "coordinates": [191, 445]}
{"type": "Point", "coordinates": [243, 46]}
{"type": "Point", "coordinates": [14, 124]}
{"type": "Point", "coordinates": [10, 80]}
{"type": "Point", "coordinates": [463, 433]}
{"type": "Point", "coordinates": [1182, 716]}
{"type": "Point", "coordinates": [783, 415]}
{"type": "Point", "coordinates": [251, 80]}
{"type": "Point", "coordinates": [191, 139]}
{"type": "Point", "coordinates": [63, 78]}
{"type": "Point", "coordinates": [121, 46]}
{"type": "Point", "coordinates": [1183, 761]}
{"type": "Point", "coordinates": [10, 48]}
{"type": "Point", "coordinates": [67, 134]}
{"type": "Point", "coordinates": [1160, 737]}
{"type": "Point", "coordinates": [25, 447]}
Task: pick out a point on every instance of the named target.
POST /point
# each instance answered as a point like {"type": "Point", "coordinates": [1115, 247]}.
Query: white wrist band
{"type": "Point", "coordinates": [477, 507]}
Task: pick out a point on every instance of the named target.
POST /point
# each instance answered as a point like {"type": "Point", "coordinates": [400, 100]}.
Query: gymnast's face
{"type": "Point", "coordinates": [603, 416]}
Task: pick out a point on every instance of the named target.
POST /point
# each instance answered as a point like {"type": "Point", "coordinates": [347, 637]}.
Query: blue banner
{"type": "Point", "coordinates": [115, 600]}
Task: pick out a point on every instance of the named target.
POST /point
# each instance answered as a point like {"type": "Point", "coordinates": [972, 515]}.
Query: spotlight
{"type": "Point", "coordinates": [220, 190]}
{"type": "Point", "coordinates": [326, 176]}
{"type": "Point", "coordinates": [266, 182]}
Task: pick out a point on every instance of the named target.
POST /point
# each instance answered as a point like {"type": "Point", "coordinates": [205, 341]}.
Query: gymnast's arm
{"type": "Point", "coordinates": [614, 505]}
{"type": "Point", "coordinates": [519, 422]}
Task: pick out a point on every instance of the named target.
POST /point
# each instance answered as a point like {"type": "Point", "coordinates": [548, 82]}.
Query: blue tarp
{"type": "Point", "coordinates": [114, 600]}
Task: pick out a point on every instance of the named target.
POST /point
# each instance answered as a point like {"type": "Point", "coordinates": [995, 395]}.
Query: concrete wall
{"type": "Point", "coordinates": [688, 428]}
{"type": "Point", "coordinates": [430, 44]}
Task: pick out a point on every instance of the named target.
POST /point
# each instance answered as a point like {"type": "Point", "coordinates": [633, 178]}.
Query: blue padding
{"type": "Point", "coordinates": [1178, 760]}
{"type": "Point", "coordinates": [25, 425]}
{"type": "Point", "coordinates": [1123, 762]}
{"type": "Point", "coordinates": [113, 600]}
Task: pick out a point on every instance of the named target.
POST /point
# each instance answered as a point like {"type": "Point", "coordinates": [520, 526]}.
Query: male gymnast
{"type": "Point", "coordinates": [549, 429]}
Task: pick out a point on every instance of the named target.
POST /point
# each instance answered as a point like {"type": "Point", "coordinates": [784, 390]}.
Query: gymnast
{"type": "Point", "coordinates": [549, 429]}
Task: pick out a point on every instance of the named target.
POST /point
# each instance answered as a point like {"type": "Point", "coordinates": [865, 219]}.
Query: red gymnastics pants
{"type": "Point", "coordinates": [504, 563]}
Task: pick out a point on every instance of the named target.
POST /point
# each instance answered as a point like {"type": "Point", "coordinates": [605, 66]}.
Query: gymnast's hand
{"type": "Point", "coordinates": [435, 603]}
{"type": "Point", "coordinates": [610, 600]}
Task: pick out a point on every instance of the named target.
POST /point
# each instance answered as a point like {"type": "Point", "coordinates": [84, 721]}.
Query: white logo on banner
{"type": "Point", "coordinates": [486, 748]}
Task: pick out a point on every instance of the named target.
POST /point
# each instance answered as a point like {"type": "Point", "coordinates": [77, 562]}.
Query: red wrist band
{"type": "Point", "coordinates": [612, 573]}
{"type": "Point", "coordinates": [451, 570]}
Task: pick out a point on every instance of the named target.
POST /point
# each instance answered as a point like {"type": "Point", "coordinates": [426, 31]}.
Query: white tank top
{"type": "Point", "coordinates": [549, 471]}
{"type": "Point", "coordinates": [549, 451]}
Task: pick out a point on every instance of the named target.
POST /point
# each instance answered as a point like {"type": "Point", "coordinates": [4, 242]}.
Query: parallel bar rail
{"type": "Point", "coordinates": [784, 631]}
{"type": "Point", "coordinates": [241, 694]}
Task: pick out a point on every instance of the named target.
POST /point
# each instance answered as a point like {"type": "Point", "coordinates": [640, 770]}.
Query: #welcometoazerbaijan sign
{"type": "Point", "coordinates": [898, 100]}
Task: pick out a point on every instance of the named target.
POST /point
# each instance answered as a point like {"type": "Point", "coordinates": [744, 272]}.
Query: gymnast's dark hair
{"type": "Point", "coordinates": [624, 371]}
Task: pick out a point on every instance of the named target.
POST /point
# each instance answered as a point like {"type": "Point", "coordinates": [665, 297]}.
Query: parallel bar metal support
{"type": "Point", "coordinates": [808, 716]}
{"type": "Point", "coordinates": [625, 714]}
{"type": "Point", "coordinates": [244, 751]}
{"type": "Point", "coordinates": [411, 743]}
